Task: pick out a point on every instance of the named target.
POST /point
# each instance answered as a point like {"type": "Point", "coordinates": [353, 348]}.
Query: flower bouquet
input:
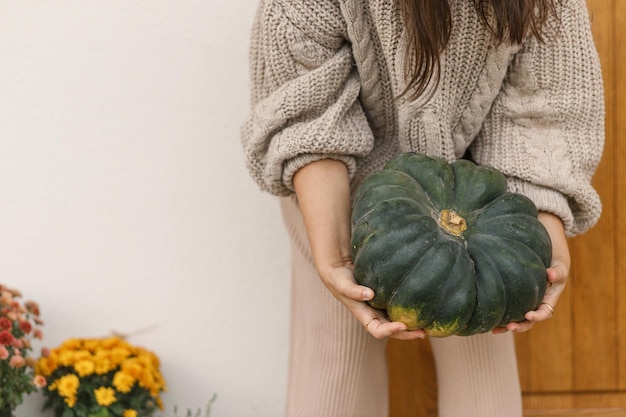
{"type": "Point", "coordinates": [101, 378]}
{"type": "Point", "coordinates": [18, 323]}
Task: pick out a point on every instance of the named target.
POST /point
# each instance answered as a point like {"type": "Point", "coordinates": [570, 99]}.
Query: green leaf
{"type": "Point", "coordinates": [117, 408]}
{"type": "Point", "coordinates": [102, 412]}
{"type": "Point", "coordinates": [68, 412]}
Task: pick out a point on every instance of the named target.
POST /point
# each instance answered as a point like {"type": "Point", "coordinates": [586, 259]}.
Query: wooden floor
{"type": "Point", "coordinates": [597, 412]}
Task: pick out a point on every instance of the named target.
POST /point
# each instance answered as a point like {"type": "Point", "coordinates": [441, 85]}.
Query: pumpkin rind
{"type": "Point", "coordinates": [446, 248]}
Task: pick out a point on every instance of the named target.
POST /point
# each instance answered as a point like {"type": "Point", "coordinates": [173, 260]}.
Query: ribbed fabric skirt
{"type": "Point", "coordinates": [336, 369]}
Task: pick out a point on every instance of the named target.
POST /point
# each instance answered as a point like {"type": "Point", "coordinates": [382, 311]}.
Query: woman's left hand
{"type": "Point", "coordinates": [557, 276]}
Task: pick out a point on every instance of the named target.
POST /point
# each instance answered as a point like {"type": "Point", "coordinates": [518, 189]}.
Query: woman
{"type": "Point", "coordinates": [341, 86]}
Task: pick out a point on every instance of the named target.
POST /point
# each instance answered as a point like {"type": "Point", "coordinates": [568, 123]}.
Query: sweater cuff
{"type": "Point", "coordinates": [545, 199]}
{"type": "Point", "coordinates": [294, 164]}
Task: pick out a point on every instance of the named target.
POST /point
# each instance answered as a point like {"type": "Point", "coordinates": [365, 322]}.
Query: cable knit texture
{"type": "Point", "coordinates": [326, 74]}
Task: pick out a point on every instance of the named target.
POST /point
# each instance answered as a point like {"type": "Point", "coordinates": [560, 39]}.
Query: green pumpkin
{"type": "Point", "coordinates": [446, 248]}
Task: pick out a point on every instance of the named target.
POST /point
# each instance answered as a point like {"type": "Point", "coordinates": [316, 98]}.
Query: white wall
{"type": "Point", "coordinates": [124, 199]}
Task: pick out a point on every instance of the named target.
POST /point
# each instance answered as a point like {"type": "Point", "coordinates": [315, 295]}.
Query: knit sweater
{"type": "Point", "coordinates": [326, 76]}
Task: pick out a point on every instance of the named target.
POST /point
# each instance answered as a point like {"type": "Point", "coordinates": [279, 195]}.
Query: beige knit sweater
{"type": "Point", "coordinates": [326, 73]}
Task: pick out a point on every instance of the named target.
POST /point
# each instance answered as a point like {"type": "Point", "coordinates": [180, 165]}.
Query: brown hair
{"type": "Point", "coordinates": [429, 25]}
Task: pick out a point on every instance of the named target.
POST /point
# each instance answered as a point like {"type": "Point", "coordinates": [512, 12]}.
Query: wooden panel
{"type": "Point", "coordinates": [578, 349]}
{"type": "Point", "coordinates": [593, 254]}
{"type": "Point", "coordinates": [592, 412]}
{"type": "Point", "coordinates": [412, 374]}
{"type": "Point", "coordinates": [619, 152]}
{"type": "Point", "coordinates": [575, 401]}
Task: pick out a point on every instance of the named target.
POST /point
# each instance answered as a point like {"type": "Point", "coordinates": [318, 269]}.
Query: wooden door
{"type": "Point", "coordinates": [578, 359]}
{"type": "Point", "coordinates": [574, 364]}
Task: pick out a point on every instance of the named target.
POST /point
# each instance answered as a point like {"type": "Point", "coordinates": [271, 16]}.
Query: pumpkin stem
{"type": "Point", "coordinates": [452, 223]}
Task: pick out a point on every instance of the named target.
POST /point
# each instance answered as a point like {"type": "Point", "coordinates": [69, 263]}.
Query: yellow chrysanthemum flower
{"type": "Point", "coordinates": [67, 385]}
{"type": "Point", "coordinates": [91, 344]}
{"type": "Point", "coordinates": [148, 357]}
{"type": "Point", "coordinates": [132, 367]}
{"type": "Point", "coordinates": [123, 382]}
{"type": "Point", "coordinates": [146, 360]}
{"type": "Point", "coordinates": [70, 401]}
{"type": "Point", "coordinates": [103, 365]}
{"type": "Point", "coordinates": [105, 396]}
{"type": "Point", "coordinates": [112, 342]}
{"type": "Point", "coordinates": [65, 357]}
{"type": "Point", "coordinates": [71, 344]}
{"type": "Point", "coordinates": [84, 367]}
{"type": "Point", "coordinates": [81, 355]}
{"type": "Point", "coordinates": [161, 381]}
{"type": "Point", "coordinates": [130, 413]}
{"type": "Point", "coordinates": [147, 381]}
{"type": "Point", "coordinates": [102, 353]}
{"type": "Point", "coordinates": [109, 342]}
{"type": "Point", "coordinates": [119, 354]}
{"type": "Point", "coordinates": [45, 366]}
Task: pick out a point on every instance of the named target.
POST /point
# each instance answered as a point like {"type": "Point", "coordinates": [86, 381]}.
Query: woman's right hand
{"type": "Point", "coordinates": [323, 191]}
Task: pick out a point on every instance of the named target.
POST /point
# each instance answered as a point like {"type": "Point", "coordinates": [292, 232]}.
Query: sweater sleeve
{"type": "Point", "coordinates": [305, 91]}
{"type": "Point", "coordinates": [545, 129]}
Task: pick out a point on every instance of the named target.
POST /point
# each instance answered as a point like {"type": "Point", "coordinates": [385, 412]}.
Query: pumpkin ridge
{"type": "Point", "coordinates": [479, 220]}
{"type": "Point", "coordinates": [431, 314]}
{"type": "Point", "coordinates": [511, 241]}
{"type": "Point", "coordinates": [432, 173]}
{"type": "Point", "coordinates": [466, 331]}
{"type": "Point", "coordinates": [416, 182]}
{"type": "Point", "coordinates": [522, 228]}
{"type": "Point", "coordinates": [451, 317]}
{"type": "Point", "coordinates": [514, 306]}
{"type": "Point", "coordinates": [406, 275]}
{"type": "Point", "coordinates": [505, 239]}
{"type": "Point", "coordinates": [494, 266]}
{"type": "Point", "coordinates": [475, 186]}
{"type": "Point", "coordinates": [404, 278]}
{"type": "Point", "coordinates": [507, 203]}
{"type": "Point", "coordinates": [380, 193]}
{"type": "Point", "coordinates": [379, 273]}
{"type": "Point", "coordinates": [364, 217]}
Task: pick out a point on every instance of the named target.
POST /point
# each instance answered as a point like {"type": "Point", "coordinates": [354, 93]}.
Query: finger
{"type": "Point", "coordinates": [356, 292]}
{"type": "Point", "coordinates": [379, 326]}
{"type": "Point", "coordinates": [543, 312]}
{"type": "Point", "coordinates": [409, 335]}
{"type": "Point", "coordinates": [557, 275]}
{"type": "Point", "coordinates": [553, 275]}
{"type": "Point", "coordinates": [344, 285]}
{"type": "Point", "coordinates": [520, 327]}
{"type": "Point", "coordinates": [380, 329]}
{"type": "Point", "coordinates": [499, 330]}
